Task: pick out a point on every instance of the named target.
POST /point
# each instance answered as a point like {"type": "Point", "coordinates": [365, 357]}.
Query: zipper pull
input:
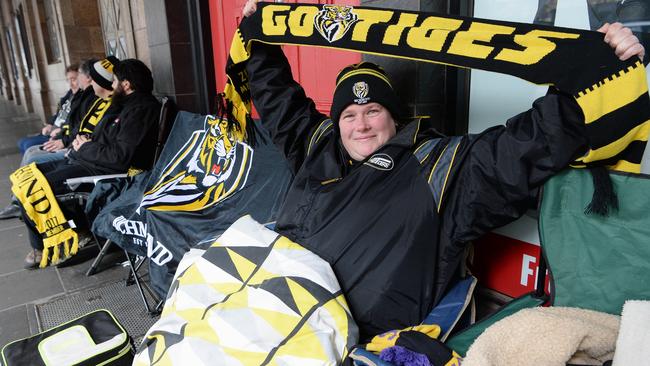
{"type": "Point", "coordinates": [326, 182]}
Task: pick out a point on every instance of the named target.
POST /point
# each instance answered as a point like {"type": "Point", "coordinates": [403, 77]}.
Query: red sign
{"type": "Point", "coordinates": [506, 265]}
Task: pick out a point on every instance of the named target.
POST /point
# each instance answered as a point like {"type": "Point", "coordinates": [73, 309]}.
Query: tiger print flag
{"type": "Point", "coordinates": [612, 94]}
{"type": "Point", "coordinates": [205, 179]}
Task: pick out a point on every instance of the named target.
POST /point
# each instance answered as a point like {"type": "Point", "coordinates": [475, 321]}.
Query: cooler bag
{"type": "Point", "coordinates": [96, 338]}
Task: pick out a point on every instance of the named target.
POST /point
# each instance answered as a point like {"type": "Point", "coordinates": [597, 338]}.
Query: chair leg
{"type": "Point", "coordinates": [93, 267]}
{"type": "Point", "coordinates": [138, 263]}
{"type": "Point", "coordinates": [134, 266]}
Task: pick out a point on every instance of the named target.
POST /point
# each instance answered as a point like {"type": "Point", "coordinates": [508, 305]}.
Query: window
{"type": "Point", "coordinates": [116, 26]}
{"type": "Point", "coordinates": [14, 65]}
{"type": "Point", "coordinates": [49, 29]}
{"type": "Point", "coordinates": [22, 36]}
{"type": "Point", "coordinates": [635, 14]}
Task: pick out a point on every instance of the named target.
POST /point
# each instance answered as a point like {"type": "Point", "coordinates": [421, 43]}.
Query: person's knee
{"type": "Point", "coordinates": [22, 145]}
{"type": "Point", "coordinates": [31, 153]}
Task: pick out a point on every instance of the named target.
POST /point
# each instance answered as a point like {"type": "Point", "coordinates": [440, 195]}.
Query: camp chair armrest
{"type": "Point", "coordinates": [73, 183]}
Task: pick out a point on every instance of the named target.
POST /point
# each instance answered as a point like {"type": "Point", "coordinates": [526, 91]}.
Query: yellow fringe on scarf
{"type": "Point", "coordinates": [35, 195]}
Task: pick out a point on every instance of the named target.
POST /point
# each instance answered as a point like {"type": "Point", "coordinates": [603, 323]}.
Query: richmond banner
{"type": "Point", "coordinates": [206, 178]}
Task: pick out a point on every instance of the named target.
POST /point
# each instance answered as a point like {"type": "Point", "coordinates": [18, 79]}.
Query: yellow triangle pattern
{"type": "Point", "coordinates": [203, 330]}
{"type": "Point", "coordinates": [260, 276]}
{"type": "Point", "coordinates": [226, 287]}
{"type": "Point", "coordinates": [245, 357]}
{"type": "Point", "coordinates": [282, 323]}
{"type": "Point", "coordinates": [160, 347]}
{"type": "Point", "coordinates": [337, 310]}
{"type": "Point", "coordinates": [190, 315]}
{"type": "Point", "coordinates": [243, 265]}
{"type": "Point", "coordinates": [304, 300]}
{"type": "Point", "coordinates": [284, 243]}
{"type": "Point", "coordinates": [305, 344]}
{"type": "Point", "coordinates": [192, 276]}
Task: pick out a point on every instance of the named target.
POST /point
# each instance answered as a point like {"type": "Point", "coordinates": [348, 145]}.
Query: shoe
{"type": "Point", "coordinates": [85, 237]}
{"type": "Point", "coordinates": [11, 211]}
{"type": "Point", "coordinates": [33, 259]}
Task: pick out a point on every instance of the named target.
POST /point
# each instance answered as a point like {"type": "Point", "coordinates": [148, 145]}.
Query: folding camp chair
{"type": "Point", "coordinates": [80, 195]}
{"type": "Point", "coordinates": [595, 262]}
{"type": "Point", "coordinates": [165, 122]}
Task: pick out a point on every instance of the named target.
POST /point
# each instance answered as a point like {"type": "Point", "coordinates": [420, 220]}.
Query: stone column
{"type": "Point", "coordinates": [39, 80]}
{"type": "Point", "coordinates": [81, 34]}
{"type": "Point", "coordinates": [22, 83]}
{"type": "Point", "coordinates": [5, 59]}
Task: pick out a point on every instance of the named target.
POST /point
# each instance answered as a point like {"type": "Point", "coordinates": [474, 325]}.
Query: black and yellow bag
{"type": "Point", "coordinates": [96, 338]}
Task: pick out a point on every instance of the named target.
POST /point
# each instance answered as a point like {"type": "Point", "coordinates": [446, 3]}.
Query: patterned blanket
{"type": "Point", "coordinates": [253, 298]}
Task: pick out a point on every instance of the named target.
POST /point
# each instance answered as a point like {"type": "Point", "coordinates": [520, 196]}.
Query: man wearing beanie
{"type": "Point", "coordinates": [392, 205]}
{"type": "Point", "coordinates": [124, 137]}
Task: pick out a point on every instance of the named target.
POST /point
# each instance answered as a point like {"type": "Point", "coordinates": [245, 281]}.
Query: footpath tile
{"type": "Point", "coordinates": [14, 325]}
{"type": "Point", "coordinates": [27, 286]}
{"type": "Point", "coordinates": [14, 245]}
{"type": "Point", "coordinates": [74, 277]}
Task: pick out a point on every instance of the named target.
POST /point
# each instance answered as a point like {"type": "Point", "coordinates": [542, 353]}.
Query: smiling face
{"type": "Point", "coordinates": [365, 128]}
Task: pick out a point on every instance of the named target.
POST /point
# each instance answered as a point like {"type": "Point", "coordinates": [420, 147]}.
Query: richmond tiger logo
{"type": "Point", "coordinates": [333, 21]}
{"type": "Point", "coordinates": [210, 167]}
{"type": "Point", "coordinates": [360, 90]}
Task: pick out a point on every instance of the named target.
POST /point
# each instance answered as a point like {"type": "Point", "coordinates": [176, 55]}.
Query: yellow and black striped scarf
{"type": "Point", "coordinates": [35, 195]}
{"type": "Point", "coordinates": [94, 115]}
{"type": "Point", "coordinates": [612, 94]}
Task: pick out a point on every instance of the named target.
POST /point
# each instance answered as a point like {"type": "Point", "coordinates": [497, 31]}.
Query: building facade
{"type": "Point", "coordinates": [40, 38]}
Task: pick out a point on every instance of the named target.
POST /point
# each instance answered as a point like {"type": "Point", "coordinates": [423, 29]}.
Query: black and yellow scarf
{"type": "Point", "coordinates": [94, 115]}
{"type": "Point", "coordinates": [35, 195]}
{"type": "Point", "coordinates": [612, 94]}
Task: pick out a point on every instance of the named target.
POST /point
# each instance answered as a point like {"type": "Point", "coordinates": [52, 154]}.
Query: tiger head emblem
{"type": "Point", "coordinates": [334, 21]}
{"type": "Point", "coordinates": [212, 165]}
{"type": "Point", "coordinates": [360, 90]}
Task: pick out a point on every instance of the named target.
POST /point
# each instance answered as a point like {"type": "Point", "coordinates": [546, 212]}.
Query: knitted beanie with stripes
{"type": "Point", "coordinates": [102, 72]}
{"type": "Point", "coordinates": [364, 83]}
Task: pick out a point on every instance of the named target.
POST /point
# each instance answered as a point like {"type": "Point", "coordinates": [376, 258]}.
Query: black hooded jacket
{"type": "Point", "coordinates": [80, 106]}
{"type": "Point", "coordinates": [125, 137]}
{"type": "Point", "coordinates": [394, 226]}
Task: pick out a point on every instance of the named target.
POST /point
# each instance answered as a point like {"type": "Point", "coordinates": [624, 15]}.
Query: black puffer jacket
{"type": "Point", "coordinates": [394, 226]}
{"type": "Point", "coordinates": [125, 137]}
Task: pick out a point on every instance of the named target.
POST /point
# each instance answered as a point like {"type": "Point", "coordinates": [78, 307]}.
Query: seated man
{"type": "Point", "coordinates": [57, 119]}
{"type": "Point", "coordinates": [363, 201]}
{"type": "Point", "coordinates": [124, 139]}
{"type": "Point", "coordinates": [86, 109]}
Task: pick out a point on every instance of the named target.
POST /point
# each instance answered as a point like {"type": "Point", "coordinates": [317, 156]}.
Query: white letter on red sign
{"type": "Point", "coordinates": [526, 269]}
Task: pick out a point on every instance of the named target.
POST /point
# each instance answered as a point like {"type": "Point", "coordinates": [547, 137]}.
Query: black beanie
{"type": "Point", "coordinates": [102, 72]}
{"type": "Point", "coordinates": [361, 84]}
